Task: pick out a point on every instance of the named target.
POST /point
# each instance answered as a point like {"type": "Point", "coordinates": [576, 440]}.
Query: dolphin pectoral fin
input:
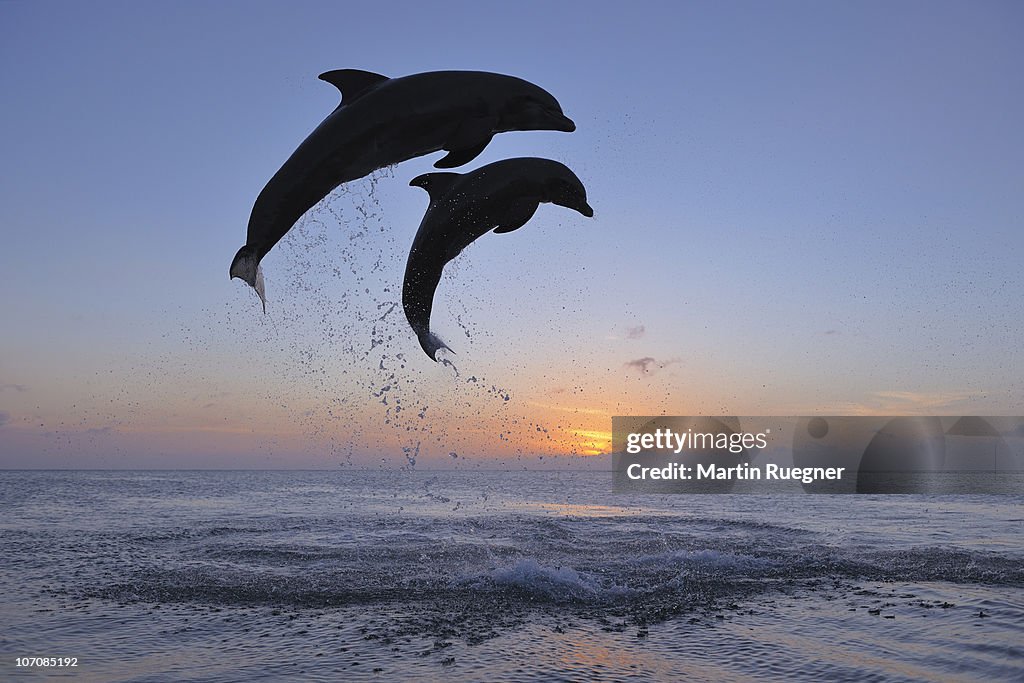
{"type": "Point", "coordinates": [352, 83]}
{"type": "Point", "coordinates": [517, 216]}
{"type": "Point", "coordinates": [464, 155]}
{"type": "Point", "coordinates": [472, 136]}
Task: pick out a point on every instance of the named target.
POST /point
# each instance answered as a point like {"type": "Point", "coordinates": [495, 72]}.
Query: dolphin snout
{"type": "Point", "coordinates": [564, 124]}
{"type": "Point", "coordinates": [586, 210]}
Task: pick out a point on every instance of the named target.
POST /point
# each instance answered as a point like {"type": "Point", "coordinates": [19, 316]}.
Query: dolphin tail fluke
{"type": "Point", "coordinates": [247, 267]}
{"type": "Point", "coordinates": [431, 344]}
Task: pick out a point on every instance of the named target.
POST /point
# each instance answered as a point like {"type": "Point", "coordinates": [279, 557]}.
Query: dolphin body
{"type": "Point", "coordinates": [382, 121]}
{"type": "Point", "coordinates": [501, 196]}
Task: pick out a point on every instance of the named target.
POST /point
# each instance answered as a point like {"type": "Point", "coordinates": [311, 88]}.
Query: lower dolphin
{"type": "Point", "coordinates": [502, 197]}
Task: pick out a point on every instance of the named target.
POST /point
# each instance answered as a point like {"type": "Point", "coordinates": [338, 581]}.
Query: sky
{"type": "Point", "coordinates": [801, 208]}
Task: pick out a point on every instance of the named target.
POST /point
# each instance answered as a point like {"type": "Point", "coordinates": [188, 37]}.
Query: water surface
{"type": "Point", "coordinates": [523, 576]}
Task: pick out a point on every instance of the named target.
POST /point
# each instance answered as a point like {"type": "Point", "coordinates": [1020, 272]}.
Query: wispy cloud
{"type": "Point", "coordinates": [5, 417]}
{"type": "Point", "coordinates": [923, 400]}
{"type": "Point", "coordinates": [648, 365]}
{"type": "Point", "coordinates": [635, 332]}
{"type": "Point", "coordinates": [901, 403]}
{"type": "Point", "coordinates": [569, 409]}
{"type": "Point", "coordinates": [20, 388]}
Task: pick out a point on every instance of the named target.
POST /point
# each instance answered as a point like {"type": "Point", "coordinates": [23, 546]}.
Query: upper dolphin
{"type": "Point", "coordinates": [501, 196]}
{"type": "Point", "coordinates": [382, 121]}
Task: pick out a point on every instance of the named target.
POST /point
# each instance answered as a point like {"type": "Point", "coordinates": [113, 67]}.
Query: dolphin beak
{"type": "Point", "coordinates": [586, 210]}
{"type": "Point", "coordinates": [563, 123]}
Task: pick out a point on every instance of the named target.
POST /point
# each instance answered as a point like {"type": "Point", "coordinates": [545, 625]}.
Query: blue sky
{"type": "Point", "coordinates": [807, 207]}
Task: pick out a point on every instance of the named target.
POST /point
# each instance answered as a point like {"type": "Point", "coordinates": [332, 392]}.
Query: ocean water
{"type": "Point", "coordinates": [520, 576]}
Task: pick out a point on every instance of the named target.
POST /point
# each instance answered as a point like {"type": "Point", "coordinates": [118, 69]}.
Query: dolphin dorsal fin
{"type": "Point", "coordinates": [352, 83]}
{"type": "Point", "coordinates": [436, 184]}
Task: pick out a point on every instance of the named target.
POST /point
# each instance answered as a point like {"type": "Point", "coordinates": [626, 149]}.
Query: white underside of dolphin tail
{"type": "Point", "coordinates": [260, 290]}
{"type": "Point", "coordinates": [247, 267]}
{"type": "Point", "coordinates": [431, 343]}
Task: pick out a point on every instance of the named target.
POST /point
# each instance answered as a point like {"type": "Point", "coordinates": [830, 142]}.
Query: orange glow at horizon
{"type": "Point", "coordinates": [594, 442]}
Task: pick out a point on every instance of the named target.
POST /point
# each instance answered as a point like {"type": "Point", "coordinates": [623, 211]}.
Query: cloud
{"type": "Point", "coordinates": [5, 417]}
{"type": "Point", "coordinates": [649, 366]}
{"type": "Point", "coordinates": [635, 332]}
{"type": "Point", "coordinates": [20, 388]}
{"type": "Point", "coordinates": [641, 364]}
{"type": "Point", "coordinates": [900, 403]}
{"type": "Point", "coordinates": [569, 409]}
{"type": "Point", "coordinates": [924, 401]}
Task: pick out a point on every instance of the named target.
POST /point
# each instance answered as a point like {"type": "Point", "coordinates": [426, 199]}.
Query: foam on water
{"type": "Point", "coordinates": [558, 584]}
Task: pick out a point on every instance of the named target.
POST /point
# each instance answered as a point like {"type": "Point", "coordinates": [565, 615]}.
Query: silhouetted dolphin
{"type": "Point", "coordinates": [502, 196]}
{"type": "Point", "coordinates": [382, 121]}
